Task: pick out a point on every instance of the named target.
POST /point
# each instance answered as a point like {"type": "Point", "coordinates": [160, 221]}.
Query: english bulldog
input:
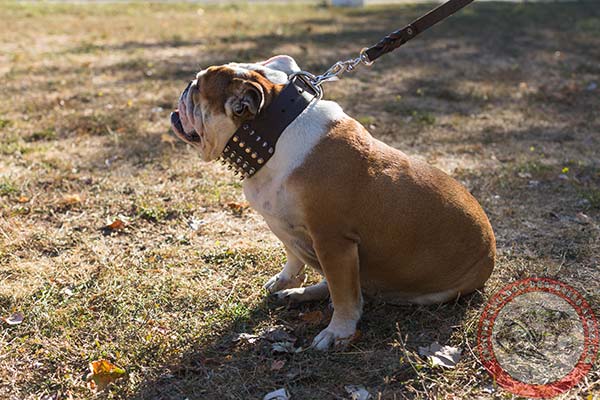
{"type": "Point", "coordinates": [369, 218]}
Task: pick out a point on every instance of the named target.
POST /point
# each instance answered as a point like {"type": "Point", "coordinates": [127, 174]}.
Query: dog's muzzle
{"type": "Point", "coordinates": [191, 136]}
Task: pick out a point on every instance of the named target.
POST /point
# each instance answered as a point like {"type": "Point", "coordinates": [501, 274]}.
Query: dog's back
{"type": "Point", "coordinates": [422, 236]}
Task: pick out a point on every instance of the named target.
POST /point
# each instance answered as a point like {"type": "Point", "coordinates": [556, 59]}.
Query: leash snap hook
{"type": "Point", "coordinates": [310, 80]}
{"type": "Point", "coordinates": [339, 68]}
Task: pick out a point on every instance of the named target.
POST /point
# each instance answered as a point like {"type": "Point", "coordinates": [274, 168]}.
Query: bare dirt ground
{"type": "Point", "coordinates": [504, 97]}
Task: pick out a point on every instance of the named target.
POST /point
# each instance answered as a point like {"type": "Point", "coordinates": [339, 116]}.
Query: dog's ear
{"type": "Point", "coordinates": [249, 100]}
{"type": "Point", "coordinates": [282, 63]}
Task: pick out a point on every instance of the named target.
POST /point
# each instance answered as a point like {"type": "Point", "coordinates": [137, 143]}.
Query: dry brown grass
{"type": "Point", "coordinates": [496, 96]}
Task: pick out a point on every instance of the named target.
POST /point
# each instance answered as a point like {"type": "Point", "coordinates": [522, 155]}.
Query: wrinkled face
{"type": "Point", "coordinates": [220, 99]}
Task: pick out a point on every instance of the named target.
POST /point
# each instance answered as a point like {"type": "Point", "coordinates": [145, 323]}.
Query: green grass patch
{"type": "Point", "coordinates": [7, 187]}
{"type": "Point", "coordinates": [44, 134]}
{"type": "Point", "coordinates": [11, 144]}
{"type": "Point", "coordinates": [151, 212]}
{"type": "Point", "coordinates": [366, 120]}
{"type": "Point", "coordinates": [593, 196]}
{"type": "Point", "coordinates": [534, 167]}
{"type": "Point", "coordinates": [4, 123]}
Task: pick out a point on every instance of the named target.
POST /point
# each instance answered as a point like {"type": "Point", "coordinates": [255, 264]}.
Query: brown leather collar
{"type": "Point", "coordinates": [254, 143]}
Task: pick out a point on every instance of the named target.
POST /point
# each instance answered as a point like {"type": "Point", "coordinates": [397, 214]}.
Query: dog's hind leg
{"type": "Point", "coordinates": [289, 277]}
{"type": "Point", "coordinates": [319, 291]}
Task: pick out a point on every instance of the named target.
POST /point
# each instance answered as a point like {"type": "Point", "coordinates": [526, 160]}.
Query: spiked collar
{"type": "Point", "coordinates": [255, 141]}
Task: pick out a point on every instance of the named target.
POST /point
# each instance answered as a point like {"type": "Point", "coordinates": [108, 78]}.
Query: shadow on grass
{"type": "Point", "coordinates": [222, 368]}
{"type": "Point", "coordinates": [486, 44]}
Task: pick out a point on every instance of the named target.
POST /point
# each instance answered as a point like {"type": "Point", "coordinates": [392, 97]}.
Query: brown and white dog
{"type": "Point", "coordinates": [368, 217]}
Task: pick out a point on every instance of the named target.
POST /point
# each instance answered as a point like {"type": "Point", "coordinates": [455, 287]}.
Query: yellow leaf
{"type": "Point", "coordinates": [102, 373]}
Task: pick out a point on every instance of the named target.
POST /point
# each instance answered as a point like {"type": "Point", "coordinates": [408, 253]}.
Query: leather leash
{"type": "Point", "coordinates": [399, 37]}
{"type": "Point", "coordinates": [253, 143]}
{"type": "Point", "coordinates": [391, 42]}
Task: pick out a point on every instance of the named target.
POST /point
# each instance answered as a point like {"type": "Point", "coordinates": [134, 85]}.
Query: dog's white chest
{"type": "Point", "coordinates": [283, 215]}
{"type": "Point", "coordinates": [266, 191]}
{"type": "Point", "coordinates": [267, 196]}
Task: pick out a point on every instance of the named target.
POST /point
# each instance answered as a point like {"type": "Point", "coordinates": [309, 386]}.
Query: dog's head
{"type": "Point", "coordinates": [221, 98]}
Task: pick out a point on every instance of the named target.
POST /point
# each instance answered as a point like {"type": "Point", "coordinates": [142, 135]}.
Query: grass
{"type": "Point", "coordinates": [7, 188]}
{"type": "Point", "coordinates": [497, 96]}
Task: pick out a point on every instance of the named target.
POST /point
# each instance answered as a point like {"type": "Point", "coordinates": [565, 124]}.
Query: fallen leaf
{"type": "Point", "coordinates": [195, 224]}
{"type": "Point", "coordinates": [583, 218]}
{"type": "Point", "coordinates": [276, 365]}
{"type": "Point", "coordinates": [237, 207]}
{"type": "Point", "coordinates": [283, 347]}
{"type": "Point", "coordinates": [489, 389]}
{"type": "Point", "coordinates": [71, 199]}
{"type": "Point", "coordinates": [116, 225]}
{"type": "Point", "coordinates": [282, 341]}
{"type": "Point", "coordinates": [357, 392]}
{"type": "Point", "coordinates": [14, 318]}
{"type": "Point", "coordinates": [524, 175]}
{"type": "Point", "coordinates": [246, 337]}
{"type": "Point", "coordinates": [279, 394]}
{"type": "Point", "coordinates": [312, 317]}
{"type": "Point", "coordinates": [277, 334]}
{"type": "Point", "coordinates": [102, 373]}
{"type": "Point", "coordinates": [444, 356]}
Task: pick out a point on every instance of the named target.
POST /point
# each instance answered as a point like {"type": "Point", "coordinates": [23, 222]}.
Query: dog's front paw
{"type": "Point", "coordinates": [279, 282]}
{"type": "Point", "coordinates": [338, 336]}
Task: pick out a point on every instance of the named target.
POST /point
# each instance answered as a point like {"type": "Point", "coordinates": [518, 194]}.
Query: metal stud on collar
{"type": "Point", "coordinates": [253, 144]}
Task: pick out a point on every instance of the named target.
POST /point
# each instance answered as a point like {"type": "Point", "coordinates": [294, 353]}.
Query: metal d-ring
{"type": "Point", "coordinates": [310, 80]}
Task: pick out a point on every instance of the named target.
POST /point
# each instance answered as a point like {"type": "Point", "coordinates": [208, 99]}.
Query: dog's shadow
{"type": "Point", "coordinates": [382, 357]}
